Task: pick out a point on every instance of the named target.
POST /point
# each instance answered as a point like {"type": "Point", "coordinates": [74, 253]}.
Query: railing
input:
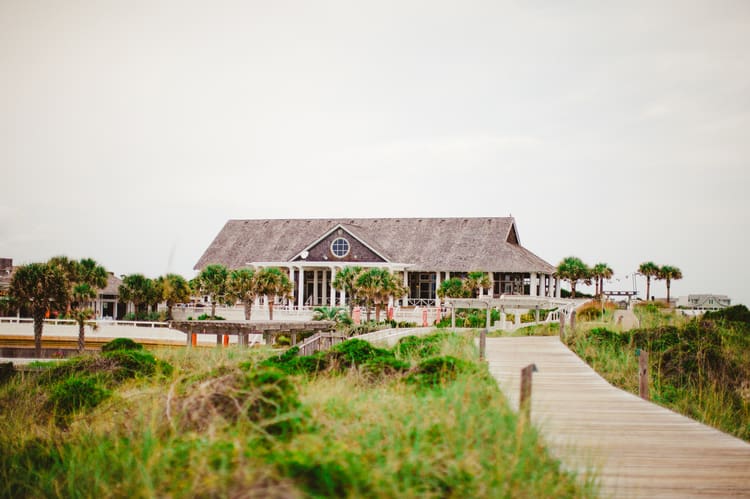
{"type": "Point", "coordinates": [420, 302]}
{"type": "Point", "coordinates": [320, 341]}
{"type": "Point", "coordinates": [71, 322]}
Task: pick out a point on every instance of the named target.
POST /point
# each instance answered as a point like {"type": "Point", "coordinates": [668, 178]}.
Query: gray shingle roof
{"type": "Point", "coordinates": [428, 244]}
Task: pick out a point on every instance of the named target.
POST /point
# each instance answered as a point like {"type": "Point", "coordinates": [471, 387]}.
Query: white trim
{"type": "Point", "coordinates": [328, 233]}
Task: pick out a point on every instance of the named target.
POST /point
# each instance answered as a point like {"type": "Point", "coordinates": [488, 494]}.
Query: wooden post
{"type": "Point", "coordinates": [573, 320]}
{"type": "Point", "coordinates": [524, 403]}
{"type": "Point", "coordinates": [294, 339]}
{"type": "Point", "coordinates": [453, 316]}
{"type": "Point", "coordinates": [188, 339]}
{"type": "Point", "coordinates": [218, 339]}
{"type": "Point", "coordinates": [482, 344]}
{"type": "Point", "coordinates": [643, 375]}
{"type": "Point", "coordinates": [561, 316]}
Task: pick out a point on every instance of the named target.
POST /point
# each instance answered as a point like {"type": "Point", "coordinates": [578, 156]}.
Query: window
{"type": "Point", "coordinates": [340, 247]}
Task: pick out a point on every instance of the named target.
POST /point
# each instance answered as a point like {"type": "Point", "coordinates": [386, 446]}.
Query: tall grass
{"type": "Point", "coordinates": [359, 436]}
{"type": "Point", "coordinates": [699, 368]}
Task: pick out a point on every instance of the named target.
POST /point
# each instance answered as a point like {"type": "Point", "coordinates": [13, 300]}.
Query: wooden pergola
{"type": "Point", "coordinates": [241, 329]}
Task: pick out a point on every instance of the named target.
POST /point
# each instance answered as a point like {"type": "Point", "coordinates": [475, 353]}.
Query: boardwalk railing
{"type": "Point", "coordinates": [71, 322]}
{"type": "Point", "coordinates": [320, 341]}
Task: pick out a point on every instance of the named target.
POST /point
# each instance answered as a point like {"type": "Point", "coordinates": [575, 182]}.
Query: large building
{"type": "Point", "coordinates": [424, 251]}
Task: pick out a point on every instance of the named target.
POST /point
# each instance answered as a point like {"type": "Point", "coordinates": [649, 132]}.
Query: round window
{"type": "Point", "coordinates": [340, 247]}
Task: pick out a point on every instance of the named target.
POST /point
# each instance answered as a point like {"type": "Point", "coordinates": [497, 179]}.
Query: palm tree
{"type": "Point", "coordinates": [476, 281]}
{"type": "Point", "coordinates": [82, 294]}
{"type": "Point", "coordinates": [137, 289]}
{"type": "Point", "coordinates": [69, 269]}
{"type": "Point", "coordinates": [243, 286]}
{"type": "Point", "coordinates": [335, 314]}
{"type": "Point", "coordinates": [213, 282]}
{"type": "Point", "coordinates": [272, 282]}
{"type": "Point", "coordinates": [86, 279]}
{"type": "Point", "coordinates": [174, 289]}
{"type": "Point", "coordinates": [649, 269]}
{"type": "Point", "coordinates": [572, 269]}
{"type": "Point", "coordinates": [346, 280]}
{"type": "Point", "coordinates": [669, 274]}
{"type": "Point", "coordinates": [377, 286]}
{"type": "Point", "coordinates": [453, 288]}
{"type": "Point", "coordinates": [599, 272]}
{"type": "Point", "coordinates": [39, 285]}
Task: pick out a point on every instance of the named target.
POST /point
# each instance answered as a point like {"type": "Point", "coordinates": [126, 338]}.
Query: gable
{"type": "Point", "coordinates": [356, 249]}
{"type": "Point", "coordinates": [512, 235]}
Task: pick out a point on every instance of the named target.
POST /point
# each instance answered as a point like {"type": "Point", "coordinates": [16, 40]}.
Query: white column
{"type": "Point", "coordinates": [301, 289]}
{"type": "Point", "coordinates": [437, 286]}
{"type": "Point", "coordinates": [532, 284]}
{"type": "Point", "coordinates": [324, 276]}
{"type": "Point", "coordinates": [405, 301]}
{"type": "Point", "coordinates": [315, 287]}
{"type": "Point", "coordinates": [333, 290]}
{"type": "Point", "coordinates": [548, 279]}
{"type": "Point", "coordinates": [343, 297]}
{"type": "Point", "coordinates": [557, 287]}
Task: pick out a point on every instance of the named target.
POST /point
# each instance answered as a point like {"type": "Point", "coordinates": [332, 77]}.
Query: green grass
{"type": "Point", "coordinates": [699, 368]}
{"type": "Point", "coordinates": [220, 424]}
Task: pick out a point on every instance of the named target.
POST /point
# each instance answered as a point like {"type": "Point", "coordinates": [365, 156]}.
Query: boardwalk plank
{"type": "Point", "coordinates": [637, 449]}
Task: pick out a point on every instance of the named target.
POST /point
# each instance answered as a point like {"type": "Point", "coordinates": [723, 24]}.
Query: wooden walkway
{"type": "Point", "coordinates": [636, 448]}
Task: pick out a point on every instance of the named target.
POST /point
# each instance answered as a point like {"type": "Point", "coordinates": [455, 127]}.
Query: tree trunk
{"type": "Point", "coordinates": [169, 312]}
{"type": "Point", "coordinates": [213, 309]}
{"type": "Point", "coordinates": [572, 289]}
{"type": "Point", "coordinates": [81, 335]}
{"type": "Point", "coordinates": [668, 284]}
{"type": "Point", "coordinates": [377, 312]}
{"type": "Point", "coordinates": [248, 309]}
{"type": "Point", "coordinates": [270, 310]}
{"type": "Point", "coordinates": [648, 287]}
{"type": "Point", "coordinates": [38, 324]}
{"type": "Point", "coordinates": [369, 306]}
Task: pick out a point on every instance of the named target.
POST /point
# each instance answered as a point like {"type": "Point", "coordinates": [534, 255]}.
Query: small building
{"type": "Point", "coordinates": [704, 302]}
{"type": "Point", "coordinates": [423, 251]}
{"type": "Point", "coordinates": [108, 304]}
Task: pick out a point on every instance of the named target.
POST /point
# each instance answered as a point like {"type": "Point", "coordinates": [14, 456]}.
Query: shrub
{"type": "Point", "coordinates": [265, 397]}
{"type": "Point", "coordinates": [77, 392]}
{"type": "Point", "coordinates": [121, 344]}
{"type": "Point", "coordinates": [438, 371]}
{"type": "Point", "coordinates": [737, 313]}
{"type": "Point", "coordinates": [383, 367]}
{"type": "Point", "coordinates": [131, 363]}
{"type": "Point", "coordinates": [206, 317]}
{"type": "Point", "coordinates": [592, 310]}
{"type": "Point", "coordinates": [355, 352]}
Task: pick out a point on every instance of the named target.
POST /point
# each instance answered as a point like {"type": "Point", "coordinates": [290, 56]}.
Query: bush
{"type": "Point", "coordinates": [206, 317]}
{"type": "Point", "coordinates": [77, 392]}
{"type": "Point", "coordinates": [438, 371]}
{"type": "Point", "coordinates": [131, 363]}
{"type": "Point", "coordinates": [383, 367]}
{"type": "Point", "coordinates": [121, 344]}
{"type": "Point", "coordinates": [355, 352]}
{"type": "Point", "coordinates": [265, 397]}
{"type": "Point", "coordinates": [592, 310]}
{"type": "Point", "coordinates": [737, 313]}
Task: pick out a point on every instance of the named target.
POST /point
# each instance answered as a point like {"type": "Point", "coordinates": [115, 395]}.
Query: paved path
{"type": "Point", "coordinates": [637, 449]}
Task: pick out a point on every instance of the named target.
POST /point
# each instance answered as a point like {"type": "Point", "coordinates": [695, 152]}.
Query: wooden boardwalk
{"type": "Point", "coordinates": [636, 448]}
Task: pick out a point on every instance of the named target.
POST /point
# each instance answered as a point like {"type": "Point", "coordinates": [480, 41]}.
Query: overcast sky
{"type": "Point", "coordinates": [613, 131]}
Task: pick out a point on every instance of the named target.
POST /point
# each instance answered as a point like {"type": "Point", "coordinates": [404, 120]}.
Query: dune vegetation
{"type": "Point", "coordinates": [423, 419]}
{"type": "Point", "coordinates": [698, 367]}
